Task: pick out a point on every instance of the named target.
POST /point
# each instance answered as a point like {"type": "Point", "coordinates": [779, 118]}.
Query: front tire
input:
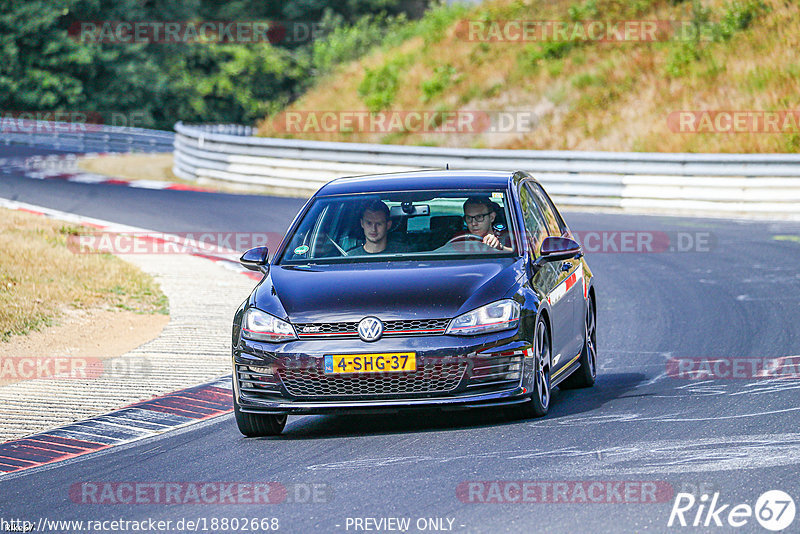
{"type": "Point", "coordinates": [585, 375]}
{"type": "Point", "coordinates": [255, 425]}
{"type": "Point", "coordinates": [539, 402]}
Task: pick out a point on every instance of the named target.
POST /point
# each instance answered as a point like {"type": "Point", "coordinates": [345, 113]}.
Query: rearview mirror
{"type": "Point", "coordinates": [559, 248]}
{"type": "Point", "coordinates": [255, 259]}
{"type": "Point", "coordinates": [407, 209]}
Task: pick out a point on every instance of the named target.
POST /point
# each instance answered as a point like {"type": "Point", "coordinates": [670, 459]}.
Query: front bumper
{"type": "Point", "coordinates": [485, 400]}
{"type": "Point", "coordinates": [495, 370]}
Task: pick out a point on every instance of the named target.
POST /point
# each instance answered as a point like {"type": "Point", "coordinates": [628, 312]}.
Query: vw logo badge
{"type": "Point", "coordinates": [370, 329]}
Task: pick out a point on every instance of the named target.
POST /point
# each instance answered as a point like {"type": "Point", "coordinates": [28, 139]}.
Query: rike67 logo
{"type": "Point", "coordinates": [774, 510]}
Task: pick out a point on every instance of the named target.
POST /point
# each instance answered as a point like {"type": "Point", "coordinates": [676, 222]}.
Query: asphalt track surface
{"type": "Point", "coordinates": [736, 298]}
{"type": "Point", "coordinates": [24, 151]}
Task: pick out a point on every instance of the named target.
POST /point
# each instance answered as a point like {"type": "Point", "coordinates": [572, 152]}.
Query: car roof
{"type": "Point", "coordinates": [417, 181]}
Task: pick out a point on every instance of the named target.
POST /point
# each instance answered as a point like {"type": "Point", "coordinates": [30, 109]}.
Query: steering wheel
{"type": "Point", "coordinates": [342, 251]}
{"type": "Point", "coordinates": [465, 237]}
{"type": "Point", "coordinates": [320, 242]}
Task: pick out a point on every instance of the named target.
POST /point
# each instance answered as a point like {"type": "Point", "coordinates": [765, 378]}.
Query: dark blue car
{"type": "Point", "coordinates": [435, 289]}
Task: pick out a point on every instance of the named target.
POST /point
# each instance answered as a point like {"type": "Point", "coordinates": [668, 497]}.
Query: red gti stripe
{"type": "Point", "coordinates": [571, 281]}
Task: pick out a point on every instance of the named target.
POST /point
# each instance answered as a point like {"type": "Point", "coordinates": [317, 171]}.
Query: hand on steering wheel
{"type": "Point", "coordinates": [486, 240]}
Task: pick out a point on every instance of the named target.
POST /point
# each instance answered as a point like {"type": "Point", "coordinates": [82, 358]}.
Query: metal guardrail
{"type": "Point", "coordinates": [737, 183]}
{"type": "Point", "coordinates": [84, 137]}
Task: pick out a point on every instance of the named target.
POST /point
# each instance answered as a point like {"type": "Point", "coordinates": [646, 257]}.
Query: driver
{"type": "Point", "coordinates": [376, 223]}
{"type": "Point", "coordinates": [479, 214]}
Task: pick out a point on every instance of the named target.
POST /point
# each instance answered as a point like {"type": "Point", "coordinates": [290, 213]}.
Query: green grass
{"type": "Point", "coordinates": [379, 87]}
{"type": "Point", "coordinates": [443, 77]}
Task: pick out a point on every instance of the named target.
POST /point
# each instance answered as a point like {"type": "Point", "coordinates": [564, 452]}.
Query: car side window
{"type": "Point", "coordinates": [555, 223]}
{"type": "Point", "coordinates": [535, 224]}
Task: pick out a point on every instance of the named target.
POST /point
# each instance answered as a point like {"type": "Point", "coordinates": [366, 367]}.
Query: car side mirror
{"type": "Point", "coordinates": [559, 248]}
{"type": "Point", "coordinates": [256, 259]}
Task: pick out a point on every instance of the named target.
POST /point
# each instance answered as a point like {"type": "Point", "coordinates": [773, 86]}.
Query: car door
{"type": "Point", "coordinates": [546, 280]}
{"type": "Point", "coordinates": [570, 276]}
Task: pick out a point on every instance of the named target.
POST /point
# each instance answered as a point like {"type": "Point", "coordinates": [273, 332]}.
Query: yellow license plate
{"type": "Point", "coordinates": [393, 362]}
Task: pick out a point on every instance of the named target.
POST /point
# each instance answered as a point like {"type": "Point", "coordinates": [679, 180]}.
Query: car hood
{"type": "Point", "coordinates": [390, 290]}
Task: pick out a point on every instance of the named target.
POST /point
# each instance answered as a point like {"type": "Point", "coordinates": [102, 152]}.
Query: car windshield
{"type": "Point", "coordinates": [402, 226]}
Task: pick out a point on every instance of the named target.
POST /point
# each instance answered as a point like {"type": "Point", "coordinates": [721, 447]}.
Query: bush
{"type": "Point", "coordinates": [738, 16]}
{"type": "Point", "coordinates": [584, 11]}
{"type": "Point", "coordinates": [436, 21]}
{"type": "Point", "coordinates": [346, 43]}
{"type": "Point", "coordinates": [586, 79]}
{"type": "Point", "coordinates": [680, 57]}
{"type": "Point", "coordinates": [379, 87]}
{"type": "Point", "coordinates": [443, 77]}
{"type": "Point", "coordinates": [532, 54]}
{"type": "Point", "coordinates": [222, 83]}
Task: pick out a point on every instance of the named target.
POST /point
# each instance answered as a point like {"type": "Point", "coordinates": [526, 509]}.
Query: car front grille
{"type": "Point", "coordinates": [410, 327]}
{"type": "Point", "coordinates": [439, 377]}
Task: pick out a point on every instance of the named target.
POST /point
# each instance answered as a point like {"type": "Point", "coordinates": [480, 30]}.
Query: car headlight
{"type": "Point", "coordinates": [260, 326]}
{"type": "Point", "coordinates": [494, 317]}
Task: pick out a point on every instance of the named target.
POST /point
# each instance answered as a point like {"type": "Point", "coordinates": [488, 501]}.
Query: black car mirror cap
{"type": "Point", "coordinates": [559, 248]}
{"type": "Point", "coordinates": [256, 259]}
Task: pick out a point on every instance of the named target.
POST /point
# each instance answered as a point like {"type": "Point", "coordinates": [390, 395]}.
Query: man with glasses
{"type": "Point", "coordinates": [479, 214]}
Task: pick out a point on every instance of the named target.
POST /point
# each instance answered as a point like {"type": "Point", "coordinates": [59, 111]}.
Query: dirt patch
{"type": "Point", "coordinates": [91, 335]}
{"type": "Point", "coordinates": [133, 166]}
